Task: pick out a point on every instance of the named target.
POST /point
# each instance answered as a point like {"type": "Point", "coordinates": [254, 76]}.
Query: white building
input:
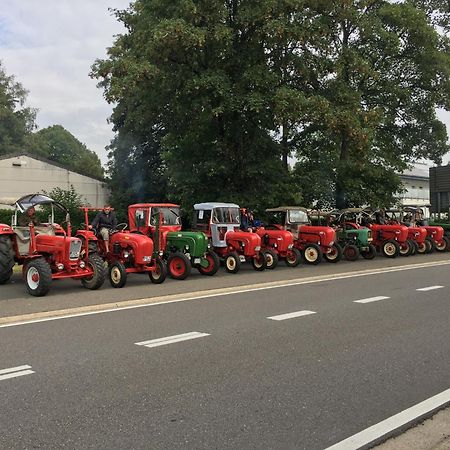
{"type": "Point", "coordinates": [22, 174]}
{"type": "Point", "coordinates": [417, 184]}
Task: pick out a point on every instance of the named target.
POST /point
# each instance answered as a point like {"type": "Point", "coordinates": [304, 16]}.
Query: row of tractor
{"type": "Point", "coordinates": [153, 241]}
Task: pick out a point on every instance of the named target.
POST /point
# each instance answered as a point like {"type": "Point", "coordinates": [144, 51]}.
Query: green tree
{"type": "Point", "coordinates": [16, 120]}
{"type": "Point", "coordinates": [57, 144]}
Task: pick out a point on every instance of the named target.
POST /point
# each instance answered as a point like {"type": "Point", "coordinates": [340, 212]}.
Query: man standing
{"type": "Point", "coordinates": [104, 222]}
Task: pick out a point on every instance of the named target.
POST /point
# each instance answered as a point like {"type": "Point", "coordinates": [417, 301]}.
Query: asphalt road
{"type": "Point", "coordinates": [247, 381]}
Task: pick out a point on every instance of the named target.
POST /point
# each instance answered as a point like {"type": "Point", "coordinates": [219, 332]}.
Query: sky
{"type": "Point", "coordinates": [50, 45]}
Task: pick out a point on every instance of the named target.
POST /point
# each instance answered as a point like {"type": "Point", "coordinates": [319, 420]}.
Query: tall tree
{"type": "Point", "coordinates": [16, 120]}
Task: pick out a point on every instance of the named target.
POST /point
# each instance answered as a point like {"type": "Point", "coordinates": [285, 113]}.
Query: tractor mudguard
{"type": "Point", "coordinates": [6, 229]}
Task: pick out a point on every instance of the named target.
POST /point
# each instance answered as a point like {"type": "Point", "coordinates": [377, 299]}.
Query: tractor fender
{"type": "Point", "coordinates": [6, 229]}
{"type": "Point", "coordinates": [86, 234]}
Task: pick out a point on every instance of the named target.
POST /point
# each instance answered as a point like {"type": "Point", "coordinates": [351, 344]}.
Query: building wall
{"type": "Point", "coordinates": [417, 191]}
{"type": "Point", "coordinates": [21, 175]}
{"type": "Point", "coordinates": [440, 189]}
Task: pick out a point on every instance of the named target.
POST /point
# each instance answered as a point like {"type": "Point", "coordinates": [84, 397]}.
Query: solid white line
{"type": "Point", "coordinates": [373, 434]}
{"type": "Point", "coordinates": [282, 284]}
{"type": "Point", "coordinates": [172, 339]}
{"type": "Point", "coordinates": [429, 288]}
{"type": "Point", "coordinates": [371, 299]}
{"type": "Point", "coordinates": [15, 374]}
{"type": "Point", "coordinates": [14, 369]}
{"type": "Point", "coordinates": [292, 315]}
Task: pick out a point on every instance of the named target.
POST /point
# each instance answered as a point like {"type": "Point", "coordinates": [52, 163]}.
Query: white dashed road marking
{"type": "Point", "coordinates": [14, 372]}
{"type": "Point", "coordinates": [429, 288]}
{"type": "Point", "coordinates": [172, 339]}
{"type": "Point", "coordinates": [371, 299]}
{"type": "Point", "coordinates": [378, 432]}
{"type": "Point", "coordinates": [291, 315]}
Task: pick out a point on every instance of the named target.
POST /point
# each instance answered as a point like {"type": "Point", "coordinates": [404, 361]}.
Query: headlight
{"type": "Point", "coordinates": [60, 266]}
{"type": "Point", "coordinates": [126, 254]}
{"type": "Point", "coordinates": [146, 258]}
{"type": "Point", "coordinates": [331, 243]}
{"type": "Point", "coordinates": [290, 246]}
{"type": "Point", "coordinates": [161, 253]}
{"type": "Point", "coordinates": [82, 264]}
{"type": "Point", "coordinates": [257, 248]}
{"type": "Point", "coordinates": [275, 245]}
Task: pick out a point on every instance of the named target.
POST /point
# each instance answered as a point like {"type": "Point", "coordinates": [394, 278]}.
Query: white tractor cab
{"type": "Point", "coordinates": [221, 223]}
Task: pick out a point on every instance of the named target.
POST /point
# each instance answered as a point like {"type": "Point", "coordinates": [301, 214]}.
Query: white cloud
{"type": "Point", "coordinates": [50, 45]}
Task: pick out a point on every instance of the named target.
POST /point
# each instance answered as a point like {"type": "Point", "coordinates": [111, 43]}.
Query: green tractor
{"type": "Point", "coordinates": [183, 249]}
{"type": "Point", "coordinates": [354, 238]}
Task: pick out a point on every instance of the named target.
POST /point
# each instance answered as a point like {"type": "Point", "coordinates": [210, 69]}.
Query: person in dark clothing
{"type": "Point", "coordinates": [104, 222]}
{"type": "Point", "coordinates": [29, 217]}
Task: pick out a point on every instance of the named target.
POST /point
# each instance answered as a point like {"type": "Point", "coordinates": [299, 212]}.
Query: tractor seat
{"type": "Point", "coordinates": [23, 239]}
{"type": "Point", "coordinates": [48, 230]}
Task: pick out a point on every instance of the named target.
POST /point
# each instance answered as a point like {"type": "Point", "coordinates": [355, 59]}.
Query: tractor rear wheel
{"type": "Point", "coordinates": [431, 246]}
{"type": "Point", "coordinates": [442, 246]}
{"type": "Point", "coordinates": [312, 254]}
{"type": "Point", "coordinates": [38, 277]}
{"type": "Point", "coordinates": [259, 262]}
{"type": "Point", "coordinates": [213, 264]}
{"type": "Point", "coordinates": [232, 262]}
{"type": "Point", "coordinates": [271, 259]}
{"type": "Point", "coordinates": [158, 275]}
{"type": "Point", "coordinates": [178, 265]}
{"type": "Point", "coordinates": [293, 257]}
{"type": "Point", "coordinates": [117, 274]}
{"type": "Point", "coordinates": [335, 254]}
{"type": "Point", "coordinates": [351, 252]}
{"type": "Point", "coordinates": [369, 254]}
{"type": "Point", "coordinates": [6, 259]}
{"type": "Point", "coordinates": [390, 248]}
{"type": "Point", "coordinates": [96, 264]}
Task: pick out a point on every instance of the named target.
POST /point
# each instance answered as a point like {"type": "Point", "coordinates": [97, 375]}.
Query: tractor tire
{"type": "Point", "coordinates": [259, 262]}
{"type": "Point", "coordinates": [232, 262]}
{"type": "Point", "coordinates": [178, 266]}
{"type": "Point", "coordinates": [405, 249]}
{"type": "Point", "coordinates": [335, 255]}
{"type": "Point", "coordinates": [442, 246]}
{"type": "Point", "coordinates": [422, 248]}
{"type": "Point", "coordinates": [214, 264]}
{"type": "Point", "coordinates": [351, 252]}
{"type": "Point", "coordinates": [431, 245]}
{"type": "Point", "coordinates": [6, 259]}
{"type": "Point", "coordinates": [293, 258]}
{"type": "Point", "coordinates": [98, 278]}
{"type": "Point", "coordinates": [158, 275]}
{"type": "Point", "coordinates": [414, 246]}
{"type": "Point", "coordinates": [371, 253]}
{"type": "Point", "coordinates": [390, 248]}
{"type": "Point", "coordinates": [271, 259]}
{"type": "Point", "coordinates": [38, 277]}
{"type": "Point", "coordinates": [117, 274]}
{"type": "Point", "coordinates": [312, 254]}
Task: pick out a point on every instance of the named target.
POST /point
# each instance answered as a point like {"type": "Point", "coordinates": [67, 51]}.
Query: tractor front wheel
{"type": "Point", "coordinates": [369, 254]}
{"type": "Point", "coordinates": [232, 262]}
{"type": "Point", "coordinates": [117, 274]}
{"type": "Point", "coordinates": [405, 249]}
{"type": "Point", "coordinates": [96, 264]}
{"type": "Point", "coordinates": [293, 257]}
{"type": "Point", "coordinates": [38, 277]}
{"type": "Point", "coordinates": [414, 246]}
{"type": "Point", "coordinates": [179, 266]}
{"type": "Point", "coordinates": [431, 245]}
{"type": "Point", "coordinates": [6, 259]}
{"type": "Point", "coordinates": [422, 248]}
{"type": "Point", "coordinates": [213, 264]}
{"type": "Point", "coordinates": [312, 254]}
{"type": "Point", "coordinates": [442, 246]}
{"type": "Point", "coordinates": [390, 248]}
{"type": "Point", "coordinates": [158, 275]}
{"type": "Point", "coordinates": [271, 259]}
{"type": "Point", "coordinates": [259, 262]}
{"type": "Point", "coordinates": [335, 254]}
{"type": "Point", "coordinates": [351, 252]}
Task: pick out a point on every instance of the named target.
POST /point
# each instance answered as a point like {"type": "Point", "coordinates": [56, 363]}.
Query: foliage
{"type": "Point", "coordinates": [16, 120]}
{"type": "Point", "coordinates": [59, 145]}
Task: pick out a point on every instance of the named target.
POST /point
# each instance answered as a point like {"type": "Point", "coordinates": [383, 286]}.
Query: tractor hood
{"type": "Point", "coordinates": [417, 233]}
{"type": "Point", "coordinates": [195, 243]}
{"type": "Point", "coordinates": [140, 244]}
{"type": "Point", "coordinates": [280, 239]}
{"type": "Point", "coordinates": [325, 235]}
{"type": "Point", "coordinates": [437, 233]}
{"type": "Point", "coordinates": [398, 232]}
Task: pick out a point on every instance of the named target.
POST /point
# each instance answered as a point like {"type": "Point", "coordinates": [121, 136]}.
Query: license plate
{"type": "Point", "coordinates": [242, 258]}
{"type": "Point", "coordinates": [197, 260]}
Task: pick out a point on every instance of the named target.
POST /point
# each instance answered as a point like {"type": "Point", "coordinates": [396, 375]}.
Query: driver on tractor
{"type": "Point", "coordinates": [104, 222]}
{"type": "Point", "coordinates": [29, 217]}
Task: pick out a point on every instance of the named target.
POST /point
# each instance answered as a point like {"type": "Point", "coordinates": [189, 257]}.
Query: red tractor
{"type": "Point", "coordinates": [435, 239]}
{"type": "Point", "coordinates": [129, 252]}
{"type": "Point", "coordinates": [221, 223]}
{"type": "Point", "coordinates": [45, 251]}
{"type": "Point", "coordinates": [314, 242]}
{"type": "Point", "coordinates": [276, 244]}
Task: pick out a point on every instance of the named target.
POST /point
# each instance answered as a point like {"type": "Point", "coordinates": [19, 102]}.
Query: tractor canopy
{"type": "Point", "coordinates": [33, 200]}
{"type": "Point", "coordinates": [284, 215]}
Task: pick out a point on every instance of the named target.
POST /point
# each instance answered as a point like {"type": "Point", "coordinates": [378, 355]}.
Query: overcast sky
{"type": "Point", "coordinates": [50, 46]}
